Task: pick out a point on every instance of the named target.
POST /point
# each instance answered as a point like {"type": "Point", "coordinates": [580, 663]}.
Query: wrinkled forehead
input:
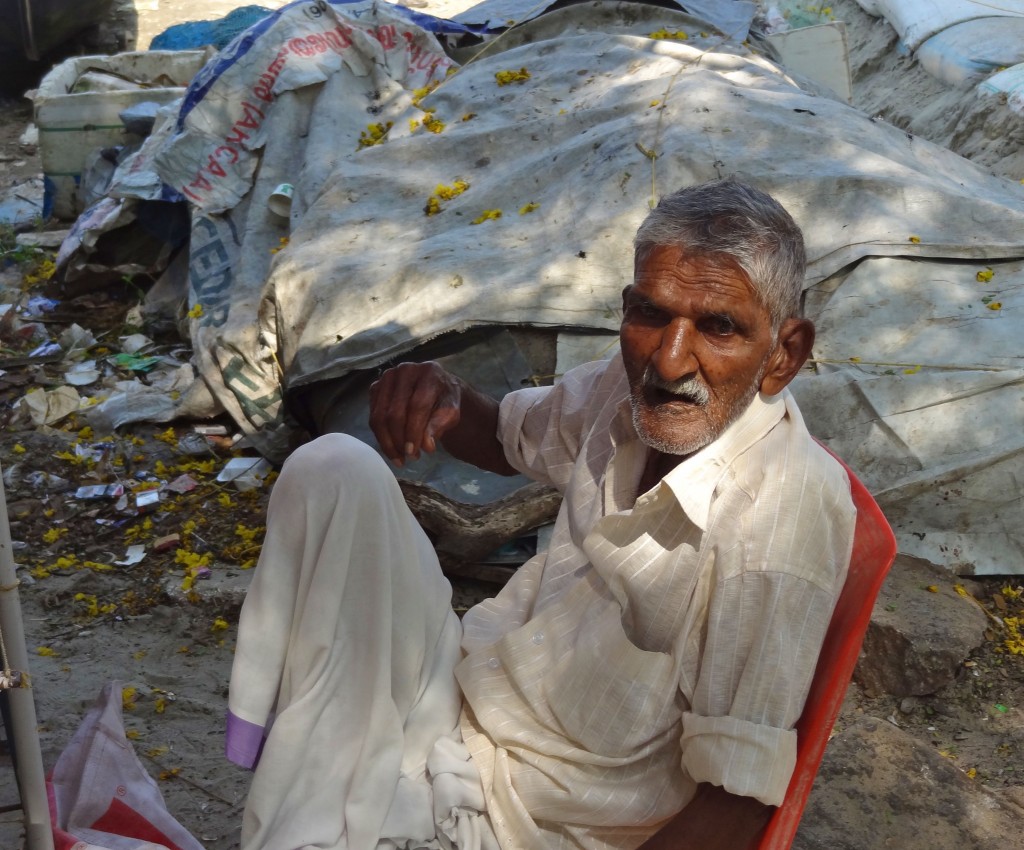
{"type": "Point", "coordinates": [691, 266]}
{"type": "Point", "coordinates": [648, 258]}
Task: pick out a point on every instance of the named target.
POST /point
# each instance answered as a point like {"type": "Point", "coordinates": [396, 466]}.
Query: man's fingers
{"type": "Point", "coordinates": [432, 410]}
{"type": "Point", "coordinates": [443, 420]}
{"type": "Point", "coordinates": [388, 404]}
{"type": "Point", "coordinates": [411, 406]}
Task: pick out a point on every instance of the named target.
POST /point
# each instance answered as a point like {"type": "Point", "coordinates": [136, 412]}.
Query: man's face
{"type": "Point", "coordinates": [696, 343]}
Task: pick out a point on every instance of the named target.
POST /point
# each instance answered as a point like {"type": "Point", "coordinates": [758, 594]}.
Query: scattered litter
{"type": "Point", "coordinates": [134, 362]}
{"type": "Point", "coordinates": [166, 543]}
{"type": "Point", "coordinates": [184, 483]}
{"type": "Point", "coordinates": [211, 430]}
{"type": "Point", "coordinates": [95, 492]}
{"type": "Point", "coordinates": [147, 501]}
{"type": "Point", "coordinates": [133, 401]}
{"type": "Point", "coordinates": [46, 407]}
{"type": "Point", "coordinates": [280, 200]}
{"type": "Point", "coordinates": [195, 445]}
{"type": "Point", "coordinates": [135, 343]}
{"type": "Point", "coordinates": [39, 306]}
{"type": "Point", "coordinates": [47, 349]}
{"type": "Point", "coordinates": [82, 374]}
{"type": "Point", "coordinates": [46, 480]}
{"type": "Point", "coordinates": [12, 475]}
{"type": "Point", "coordinates": [246, 473]}
{"type": "Point", "coordinates": [30, 138]}
{"type": "Point", "coordinates": [76, 338]}
{"type": "Point", "coordinates": [134, 555]}
{"type": "Point", "coordinates": [95, 452]}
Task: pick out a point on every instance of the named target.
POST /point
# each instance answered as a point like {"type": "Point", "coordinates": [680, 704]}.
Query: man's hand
{"type": "Point", "coordinates": [414, 405]}
{"type": "Point", "coordinates": [411, 407]}
{"type": "Point", "coordinates": [714, 820]}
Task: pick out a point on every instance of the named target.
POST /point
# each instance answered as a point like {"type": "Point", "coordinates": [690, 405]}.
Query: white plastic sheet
{"type": "Point", "coordinates": [1008, 83]}
{"type": "Point", "coordinates": [917, 20]}
{"type": "Point", "coordinates": [919, 389]}
{"type": "Point", "coordinates": [965, 53]}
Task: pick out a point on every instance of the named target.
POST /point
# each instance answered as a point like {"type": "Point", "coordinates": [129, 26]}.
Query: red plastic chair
{"type": "Point", "coordinates": [874, 549]}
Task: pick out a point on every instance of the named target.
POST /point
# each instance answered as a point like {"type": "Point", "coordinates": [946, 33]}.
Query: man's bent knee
{"type": "Point", "coordinates": [336, 455]}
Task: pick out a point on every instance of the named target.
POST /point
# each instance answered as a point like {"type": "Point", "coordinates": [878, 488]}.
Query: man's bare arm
{"type": "Point", "coordinates": [414, 405]}
{"type": "Point", "coordinates": [713, 820]}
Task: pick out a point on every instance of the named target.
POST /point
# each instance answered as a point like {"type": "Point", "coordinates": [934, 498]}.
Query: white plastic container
{"type": "Point", "coordinates": [72, 126]}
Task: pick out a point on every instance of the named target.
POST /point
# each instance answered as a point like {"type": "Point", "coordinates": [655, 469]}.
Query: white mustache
{"type": "Point", "coordinates": [688, 389]}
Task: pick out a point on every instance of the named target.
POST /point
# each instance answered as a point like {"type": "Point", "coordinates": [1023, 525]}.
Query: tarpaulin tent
{"type": "Point", "coordinates": [438, 191]}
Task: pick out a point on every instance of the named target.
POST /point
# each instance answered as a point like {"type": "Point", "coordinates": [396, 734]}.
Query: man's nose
{"type": "Point", "coordinates": [674, 358]}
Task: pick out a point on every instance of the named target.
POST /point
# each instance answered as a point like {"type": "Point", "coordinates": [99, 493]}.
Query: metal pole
{"type": "Point", "coordinates": [31, 778]}
{"type": "Point", "coordinates": [28, 36]}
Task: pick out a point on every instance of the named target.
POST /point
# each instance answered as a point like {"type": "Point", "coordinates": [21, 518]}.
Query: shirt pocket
{"type": "Point", "coordinates": [610, 697]}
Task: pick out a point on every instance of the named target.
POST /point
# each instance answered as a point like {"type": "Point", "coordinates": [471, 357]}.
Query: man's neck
{"type": "Point", "coordinates": [658, 465]}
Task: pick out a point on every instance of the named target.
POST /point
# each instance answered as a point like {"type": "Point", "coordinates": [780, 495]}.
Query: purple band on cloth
{"type": "Point", "coordinates": [243, 741]}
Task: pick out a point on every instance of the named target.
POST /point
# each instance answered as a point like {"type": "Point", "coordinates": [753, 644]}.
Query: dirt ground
{"type": "Point", "coordinates": [165, 626]}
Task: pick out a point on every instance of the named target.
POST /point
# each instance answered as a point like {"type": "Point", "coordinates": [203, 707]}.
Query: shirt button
{"type": "Point", "coordinates": [493, 663]}
{"type": "Point", "coordinates": [538, 637]}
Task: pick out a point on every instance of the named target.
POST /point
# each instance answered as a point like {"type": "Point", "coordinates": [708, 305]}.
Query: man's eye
{"type": "Point", "coordinates": [718, 325]}
{"type": "Point", "coordinates": [645, 310]}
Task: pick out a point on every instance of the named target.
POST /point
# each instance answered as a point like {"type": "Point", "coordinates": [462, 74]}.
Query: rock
{"type": "Point", "coordinates": [224, 589]}
{"type": "Point", "coordinates": [46, 239]}
{"type": "Point", "coordinates": [1014, 796]}
{"type": "Point", "coordinates": [880, 787]}
{"type": "Point", "coordinates": [918, 639]}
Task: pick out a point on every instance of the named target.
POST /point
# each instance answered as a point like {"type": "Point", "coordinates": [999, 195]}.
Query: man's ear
{"type": "Point", "coordinates": [792, 348]}
{"type": "Point", "coordinates": [625, 294]}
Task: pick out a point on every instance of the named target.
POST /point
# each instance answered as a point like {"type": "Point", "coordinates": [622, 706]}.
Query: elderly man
{"type": "Point", "coordinates": [638, 680]}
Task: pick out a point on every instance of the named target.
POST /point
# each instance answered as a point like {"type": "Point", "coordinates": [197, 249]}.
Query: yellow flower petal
{"type": "Point", "coordinates": [505, 78]}
{"type": "Point", "coordinates": [486, 215]}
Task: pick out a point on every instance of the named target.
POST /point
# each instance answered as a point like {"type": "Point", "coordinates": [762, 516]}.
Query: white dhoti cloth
{"type": "Point", "coordinates": [347, 641]}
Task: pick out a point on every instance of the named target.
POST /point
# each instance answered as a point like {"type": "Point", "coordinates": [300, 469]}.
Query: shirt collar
{"type": "Point", "coordinates": [694, 480]}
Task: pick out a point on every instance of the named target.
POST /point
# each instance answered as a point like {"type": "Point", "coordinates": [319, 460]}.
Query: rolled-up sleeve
{"type": "Point", "coordinates": [764, 633]}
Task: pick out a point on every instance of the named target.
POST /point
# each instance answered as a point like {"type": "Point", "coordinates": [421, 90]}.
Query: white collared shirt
{"type": "Point", "coordinates": [662, 641]}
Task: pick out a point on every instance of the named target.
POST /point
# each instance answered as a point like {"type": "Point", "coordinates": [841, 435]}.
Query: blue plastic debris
{"type": "Point", "coordinates": [219, 33]}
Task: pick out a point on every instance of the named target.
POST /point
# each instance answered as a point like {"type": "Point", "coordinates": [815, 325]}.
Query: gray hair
{"type": "Point", "coordinates": [750, 226]}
